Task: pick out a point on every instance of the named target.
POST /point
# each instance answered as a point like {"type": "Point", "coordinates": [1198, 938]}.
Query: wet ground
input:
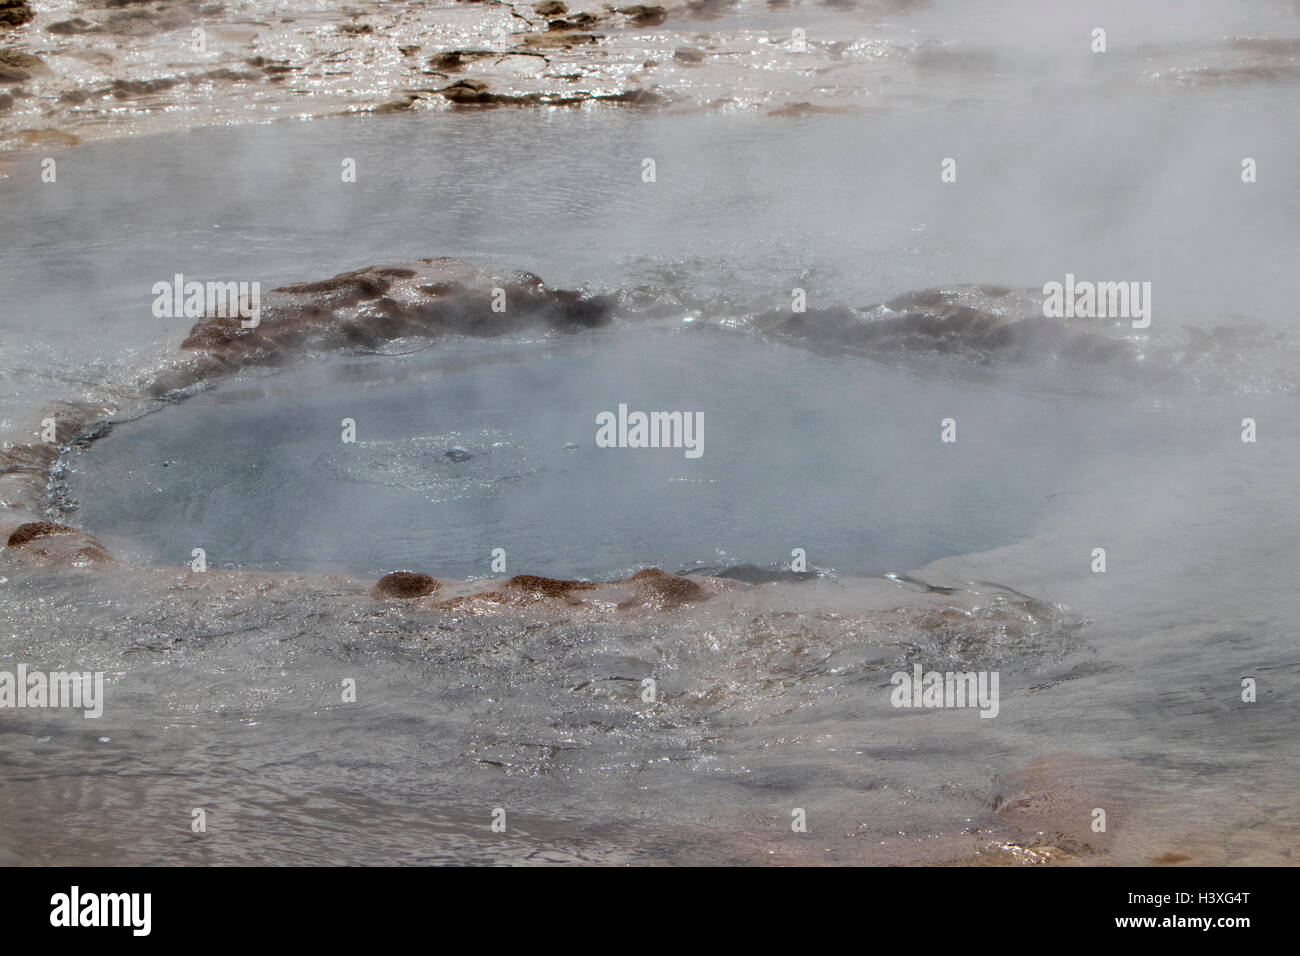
{"type": "Point", "coordinates": [226, 688]}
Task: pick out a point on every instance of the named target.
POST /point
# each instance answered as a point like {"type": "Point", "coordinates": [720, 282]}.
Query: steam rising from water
{"type": "Point", "coordinates": [224, 688]}
{"type": "Point", "coordinates": [800, 449]}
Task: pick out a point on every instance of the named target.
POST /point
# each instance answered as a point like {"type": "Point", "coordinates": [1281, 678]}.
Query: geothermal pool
{"type": "Point", "coordinates": [838, 456]}
{"type": "Point", "coordinates": [223, 689]}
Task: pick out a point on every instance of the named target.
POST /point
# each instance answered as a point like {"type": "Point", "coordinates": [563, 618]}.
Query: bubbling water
{"type": "Point", "coordinates": [470, 446]}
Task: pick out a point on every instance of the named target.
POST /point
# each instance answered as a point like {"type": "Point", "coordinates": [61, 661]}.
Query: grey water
{"type": "Point", "coordinates": [743, 210]}
{"type": "Point", "coordinates": [227, 697]}
{"type": "Point", "coordinates": [838, 456]}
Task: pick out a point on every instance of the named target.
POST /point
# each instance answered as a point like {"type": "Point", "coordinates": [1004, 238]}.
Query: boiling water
{"type": "Point", "coordinates": [796, 449]}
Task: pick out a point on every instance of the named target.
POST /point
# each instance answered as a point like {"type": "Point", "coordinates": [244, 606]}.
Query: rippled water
{"type": "Point", "coordinates": [797, 450]}
{"type": "Point", "coordinates": [224, 690]}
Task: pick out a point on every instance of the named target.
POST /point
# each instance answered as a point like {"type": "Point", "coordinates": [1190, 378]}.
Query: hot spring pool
{"type": "Point", "coordinates": [838, 456]}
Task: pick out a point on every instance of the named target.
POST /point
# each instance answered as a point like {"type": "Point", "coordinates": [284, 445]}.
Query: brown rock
{"type": "Point", "coordinates": [74, 26]}
{"type": "Point", "coordinates": [651, 589]}
{"type": "Point", "coordinates": [404, 585]}
{"type": "Point", "coordinates": [367, 307]}
{"type": "Point", "coordinates": [397, 106]}
{"type": "Point", "coordinates": [59, 544]}
{"type": "Point", "coordinates": [125, 89]}
{"type": "Point", "coordinates": [16, 67]}
{"type": "Point", "coordinates": [449, 61]}
{"type": "Point", "coordinates": [548, 587]}
{"type": "Point", "coordinates": [557, 38]}
{"type": "Point", "coordinates": [14, 13]}
{"type": "Point", "coordinates": [35, 529]}
{"type": "Point", "coordinates": [645, 16]}
{"type": "Point", "coordinates": [662, 589]}
{"type": "Point", "coordinates": [235, 76]}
